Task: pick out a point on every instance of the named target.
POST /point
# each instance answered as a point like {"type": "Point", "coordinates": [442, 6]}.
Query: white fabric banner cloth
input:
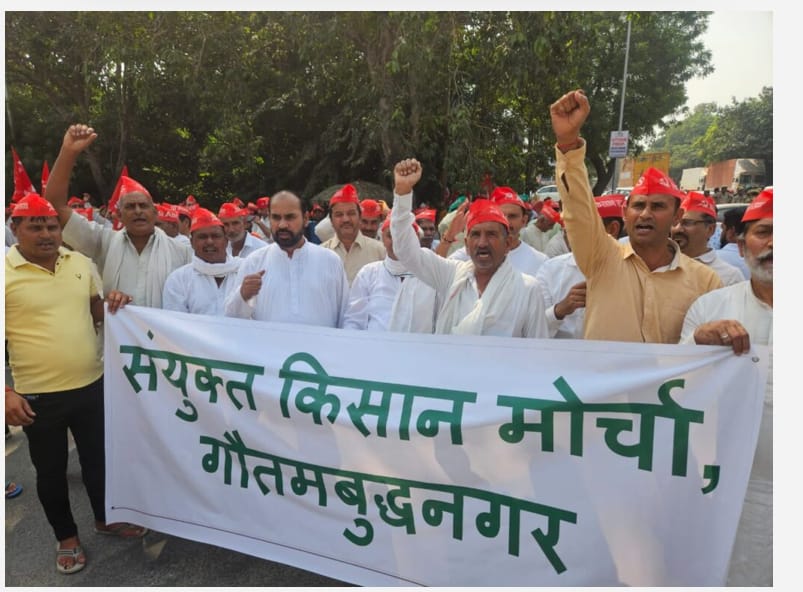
{"type": "Point", "coordinates": [404, 459]}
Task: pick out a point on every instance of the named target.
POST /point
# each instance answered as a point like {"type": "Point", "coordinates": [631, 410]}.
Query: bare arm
{"type": "Point", "coordinates": [456, 226]}
{"type": "Point", "coordinates": [77, 139]}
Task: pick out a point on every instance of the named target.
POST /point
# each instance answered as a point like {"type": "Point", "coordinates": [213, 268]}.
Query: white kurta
{"type": "Point", "coordinates": [324, 229]}
{"type": "Point", "coordinates": [556, 277]}
{"type": "Point", "coordinates": [537, 239]}
{"type": "Point", "coordinates": [509, 309]}
{"type": "Point", "coordinates": [250, 245]}
{"type": "Point", "coordinates": [415, 309]}
{"type": "Point", "coordinates": [189, 290]}
{"type": "Point", "coordinates": [372, 295]}
{"type": "Point", "coordinates": [556, 246]}
{"type": "Point", "coordinates": [727, 273]}
{"type": "Point", "coordinates": [751, 560]}
{"type": "Point", "coordinates": [140, 275]}
{"type": "Point", "coordinates": [523, 258]}
{"type": "Point", "coordinates": [730, 254]}
{"type": "Point", "coordinates": [309, 288]}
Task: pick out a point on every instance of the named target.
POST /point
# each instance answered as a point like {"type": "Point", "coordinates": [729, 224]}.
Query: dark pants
{"type": "Point", "coordinates": [80, 410]}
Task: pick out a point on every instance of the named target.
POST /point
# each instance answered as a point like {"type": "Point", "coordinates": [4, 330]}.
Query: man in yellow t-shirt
{"type": "Point", "coordinates": [53, 301]}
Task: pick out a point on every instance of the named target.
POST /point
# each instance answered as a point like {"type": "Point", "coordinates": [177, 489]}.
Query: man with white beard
{"type": "Point", "coordinates": [737, 316]}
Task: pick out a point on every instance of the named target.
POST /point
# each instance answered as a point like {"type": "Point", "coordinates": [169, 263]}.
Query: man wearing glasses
{"type": "Point", "coordinates": [693, 231]}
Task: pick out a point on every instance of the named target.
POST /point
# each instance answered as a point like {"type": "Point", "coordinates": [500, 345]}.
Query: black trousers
{"type": "Point", "coordinates": [81, 411]}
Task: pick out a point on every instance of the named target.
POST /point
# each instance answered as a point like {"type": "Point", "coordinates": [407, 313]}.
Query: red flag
{"type": "Point", "coordinates": [22, 183]}
{"type": "Point", "coordinates": [45, 175]}
{"type": "Point", "coordinates": [116, 193]}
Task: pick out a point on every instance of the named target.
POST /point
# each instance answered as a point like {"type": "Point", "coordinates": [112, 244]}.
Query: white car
{"type": "Point", "coordinates": [548, 191]}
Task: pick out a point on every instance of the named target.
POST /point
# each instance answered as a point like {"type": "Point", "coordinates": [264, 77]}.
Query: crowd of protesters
{"type": "Point", "coordinates": [636, 268]}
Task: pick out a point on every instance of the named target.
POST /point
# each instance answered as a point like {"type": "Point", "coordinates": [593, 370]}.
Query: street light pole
{"type": "Point", "coordinates": [622, 103]}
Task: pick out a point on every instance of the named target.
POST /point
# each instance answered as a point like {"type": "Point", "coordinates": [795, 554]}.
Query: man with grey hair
{"type": "Point", "coordinates": [135, 260]}
{"type": "Point", "coordinates": [736, 316]}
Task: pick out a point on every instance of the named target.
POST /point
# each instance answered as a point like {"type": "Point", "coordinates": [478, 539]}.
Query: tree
{"type": "Point", "coordinates": [682, 139]}
{"type": "Point", "coordinates": [247, 103]}
{"type": "Point", "coordinates": [743, 130]}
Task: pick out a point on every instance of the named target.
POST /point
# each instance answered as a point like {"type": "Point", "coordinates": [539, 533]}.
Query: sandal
{"type": "Point", "coordinates": [73, 554]}
{"type": "Point", "coordinates": [124, 530]}
{"type": "Point", "coordinates": [12, 489]}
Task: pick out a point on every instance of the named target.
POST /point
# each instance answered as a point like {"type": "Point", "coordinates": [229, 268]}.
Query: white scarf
{"type": "Point", "coordinates": [159, 268]}
{"type": "Point", "coordinates": [395, 268]}
{"type": "Point", "coordinates": [496, 301]}
{"type": "Point", "coordinates": [231, 265]}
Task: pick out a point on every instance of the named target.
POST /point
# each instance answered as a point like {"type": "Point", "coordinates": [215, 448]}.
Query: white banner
{"type": "Point", "coordinates": [401, 459]}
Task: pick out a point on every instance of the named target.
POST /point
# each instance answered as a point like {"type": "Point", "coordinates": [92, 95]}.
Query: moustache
{"type": "Point", "coordinates": [765, 256]}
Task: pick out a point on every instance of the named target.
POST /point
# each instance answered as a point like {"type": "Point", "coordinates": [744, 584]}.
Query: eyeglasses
{"type": "Point", "coordinates": [687, 223]}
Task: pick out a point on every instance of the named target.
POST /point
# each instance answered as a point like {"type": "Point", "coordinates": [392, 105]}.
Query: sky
{"type": "Point", "coordinates": [742, 55]}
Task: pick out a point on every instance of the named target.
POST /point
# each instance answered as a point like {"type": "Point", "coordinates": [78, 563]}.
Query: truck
{"type": "Point", "coordinates": [692, 179]}
{"type": "Point", "coordinates": [736, 174]}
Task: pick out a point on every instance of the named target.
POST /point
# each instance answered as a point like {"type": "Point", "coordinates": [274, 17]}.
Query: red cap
{"type": "Point", "coordinates": [231, 210]}
{"type": "Point", "coordinates": [252, 207]}
{"type": "Point", "coordinates": [655, 182]}
{"type": "Point", "coordinates": [191, 203]}
{"type": "Point", "coordinates": [698, 202]}
{"type": "Point", "coordinates": [33, 205]}
{"type": "Point", "coordinates": [610, 206]}
{"type": "Point", "coordinates": [263, 202]}
{"type": "Point", "coordinates": [75, 201]}
{"type": "Point", "coordinates": [238, 202]}
{"type": "Point", "coordinates": [483, 210]}
{"type": "Point", "coordinates": [87, 213]}
{"type": "Point", "coordinates": [506, 195]}
{"type": "Point", "coordinates": [167, 213]}
{"type": "Point", "coordinates": [426, 214]}
{"type": "Point", "coordinates": [203, 218]}
{"type": "Point", "coordinates": [760, 207]}
{"type": "Point", "coordinates": [370, 208]}
{"type": "Point", "coordinates": [128, 185]}
{"type": "Point", "coordinates": [551, 213]}
{"type": "Point", "coordinates": [346, 194]}
{"type": "Point", "coordinates": [183, 211]}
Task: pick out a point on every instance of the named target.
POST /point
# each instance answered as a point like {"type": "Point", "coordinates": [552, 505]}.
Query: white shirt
{"type": "Point", "coordinates": [728, 273]}
{"type": "Point", "coordinates": [522, 314]}
{"type": "Point", "coordinates": [533, 236]}
{"type": "Point", "coordinates": [372, 295]}
{"type": "Point", "coordinates": [250, 245]}
{"type": "Point", "coordinates": [415, 309]}
{"type": "Point", "coordinates": [556, 246]}
{"type": "Point", "coordinates": [730, 254]}
{"type": "Point", "coordinates": [324, 229]}
{"type": "Point", "coordinates": [523, 258]}
{"type": "Point", "coordinates": [556, 277]}
{"type": "Point", "coordinates": [182, 238]}
{"type": "Point", "coordinates": [140, 275]}
{"type": "Point", "coordinates": [751, 560]}
{"type": "Point", "coordinates": [309, 288]}
{"type": "Point", "coordinates": [189, 290]}
{"type": "Point", "coordinates": [257, 229]}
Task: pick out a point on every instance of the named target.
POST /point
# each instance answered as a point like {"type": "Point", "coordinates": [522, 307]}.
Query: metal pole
{"type": "Point", "coordinates": [622, 103]}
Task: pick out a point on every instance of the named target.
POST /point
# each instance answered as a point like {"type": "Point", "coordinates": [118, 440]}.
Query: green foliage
{"type": "Point", "coordinates": [236, 103]}
{"type": "Point", "coordinates": [711, 134]}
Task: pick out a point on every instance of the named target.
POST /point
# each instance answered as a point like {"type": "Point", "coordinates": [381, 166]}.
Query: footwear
{"type": "Point", "coordinates": [12, 489]}
{"type": "Point", "coordinates": [73, 554]}
{"type": "Point", "coordinates": [124, 530]}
